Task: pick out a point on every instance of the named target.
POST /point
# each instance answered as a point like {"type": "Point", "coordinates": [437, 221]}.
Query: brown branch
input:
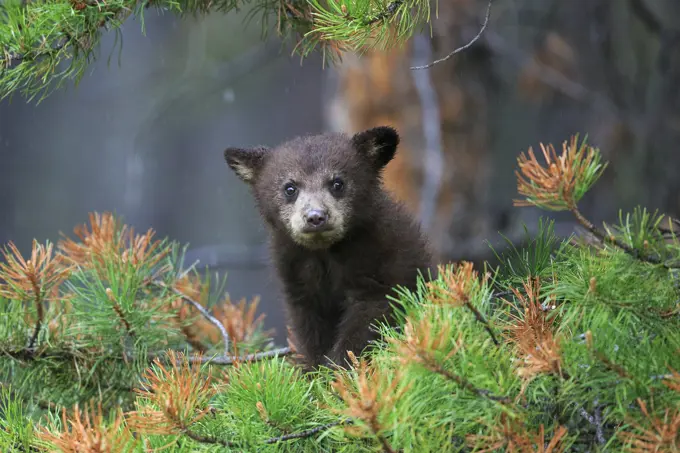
{"type": "Point", "coordinates": [480, 318]}
{"type": "Point", "coordinates": [272, 440]}
{"type": "Point", "coordinates": [436, 367]}
{"type": "Point", "coordinates": [203, 311]}
{"type": "Point", "coordinates": [39, 310]}
{"type": "Point", "coordinates": [256, 357]}
{"type": "Point", "coordinates": [387, 448]}
{"type": "Point", "coordinates": [618, 369]}
{"type": "Point", "coordinates": [119, 311]}
{"type": "Point", "coordinates": [306, 433]}
{"type": "Point", "coordinates": [208, 439]}
{"type": "Point", "coordinates": [68, 355]}
{"type": "Point", "coordinates": [653, 259]}
{"type": "Point", "coordinates": [460, 49]}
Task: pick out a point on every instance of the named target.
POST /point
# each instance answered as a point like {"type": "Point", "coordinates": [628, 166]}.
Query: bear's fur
{"type": "Point", "coordinates": [339, 242]}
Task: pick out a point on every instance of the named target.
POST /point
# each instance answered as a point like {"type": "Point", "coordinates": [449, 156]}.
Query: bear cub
{"type": "Point", "coordinates": [339, 243]}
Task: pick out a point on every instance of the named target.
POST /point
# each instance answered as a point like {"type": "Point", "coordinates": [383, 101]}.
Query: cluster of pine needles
{"type": "Point", "coordinates": [109, 344]}
{"type": "Point", "coordinates": [46, 43]}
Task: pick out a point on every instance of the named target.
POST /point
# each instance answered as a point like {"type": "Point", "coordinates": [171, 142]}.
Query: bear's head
{"type": "Point", "coordinates": [317, 188]}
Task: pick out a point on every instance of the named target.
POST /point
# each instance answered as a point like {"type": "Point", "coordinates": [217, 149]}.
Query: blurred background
{"type": "Point", "coordinates": [142, 135]}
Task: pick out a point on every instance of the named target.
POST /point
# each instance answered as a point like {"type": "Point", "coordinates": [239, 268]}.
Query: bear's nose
{"type": "Point", "coordinates": [316, 218]}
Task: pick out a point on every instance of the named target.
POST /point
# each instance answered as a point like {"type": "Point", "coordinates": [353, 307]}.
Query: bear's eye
{"type": "Point", "coordinates": [337, 185]}
{"type": "Point", "coordinates": [289, 189]}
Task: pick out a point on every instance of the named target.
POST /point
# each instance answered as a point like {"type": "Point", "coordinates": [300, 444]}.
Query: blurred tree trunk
{"type": "Point", "coordinates": [542, 71]}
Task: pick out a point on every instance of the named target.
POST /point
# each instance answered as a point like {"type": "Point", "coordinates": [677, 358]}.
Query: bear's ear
{"type": "Point", "coordinates": [379, 144]}
{"type": "Point", "coordinates": [246, 162]}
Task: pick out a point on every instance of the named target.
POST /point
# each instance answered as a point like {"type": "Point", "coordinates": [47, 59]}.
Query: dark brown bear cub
{"type": "Point", "coordinates": [339, 242]}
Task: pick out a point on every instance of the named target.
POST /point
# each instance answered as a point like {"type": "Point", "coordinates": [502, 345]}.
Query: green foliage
{"type": "Point", "coordinates": [16, 429]}
{"type": "Point", "coordinates": [617, 343]}
{"type": "Point", "coordinates": [48, 42]}
{"type": "Point", "coordinates": [581, 353]}
{"type": "Point", "coordinates": [533, 259]}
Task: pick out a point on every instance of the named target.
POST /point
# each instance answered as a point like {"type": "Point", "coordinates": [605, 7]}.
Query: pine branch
{"type": "Point", "coordinates": [119, 312]}
{"type": "Point", "coordinates": [40, 313]}
{"type": "Point", "coordinates": [69, 355]}
{"type": "Point", "coordinates": [272, 440]}
{"type": "Point", "coordinates": [436, 367]}
{"type": "Point", "coordinates": [635, 253]}
{"type": "Point", "coordinates": [36, 39]}
{"type": "Point", "coordinates": [203, 311]}
{"type": "Point", "coordinates": [306, 433]}
{"type": "Point", "coordinates": [208, 439]}
{"type": "Point", "coordinates": [481, 319]}
{"type": "Point", "coordinates": [256, 357]}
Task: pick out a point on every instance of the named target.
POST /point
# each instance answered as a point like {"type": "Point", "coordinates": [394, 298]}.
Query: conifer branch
{"type": "Point", "coordinates": [611, 239]}
{"type": "Point", "coordinates": [436, 367]}
{"type": "Point", "coordinates": [203, 311]}
{"type": "Point", "coordinates": [37, 38]}
{"type": "Point", "coordinates": [616, 368]}
{"type": "Point", "coordinates": [564, 181]}
{"type": "Point", "coordinates": [272, 440]}
{"type": "Point", "coordinates": [307, 433]}
{"type": "Point", "coordinates": [482, 320]}
{"type": "Point", "coordinates": [208, 439]}
{"type": "Point", "coordinates": [38, 322]}
{"type": "Point", "coordinates": [119, 312]}
{"type": "Point", "coordinates": [255, 357]}
{"type": "Point", "coordinates": [69, 355]}
{"type": "Point", "coordinates": [461, 285]}
{"type": "Point", "coordinates": [460, 49]}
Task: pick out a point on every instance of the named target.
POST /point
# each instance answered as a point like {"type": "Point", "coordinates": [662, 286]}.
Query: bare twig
{"type": "Point", "coordinates": [256, 357]}
{"type": "Point", "coordinates": [306, 433]}
{"type": "Point", "coordinates": [203, 311]}
{"type": "Point", "coordinates": [459, 49]}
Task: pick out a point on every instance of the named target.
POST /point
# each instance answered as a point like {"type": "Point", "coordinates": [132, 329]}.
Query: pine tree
{"type": "Point", "coordinates": [47, 42]}
{"type": "Point", "coordinates": [109, 344]}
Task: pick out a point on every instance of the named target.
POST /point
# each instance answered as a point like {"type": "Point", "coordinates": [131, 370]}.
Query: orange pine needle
{"type": "Point", "coordinates": [459, 283]}
{"type": "Point", "coordinates": [178, 397]}
{"type": "Point", "coordinates": [554, 185]}
{"type": "Point", "coordinates": [673, 382]}
{"type": "Point", "coordinates": [373, 396]}
{"type": "Point", "coordinates": [88, 433]}
{"type": "Point", "coordinates": [513, 437]}
{"type": "Point", "coordinates": [663, 435]}
{"type": "Point", "coordinates": [532, 334]}
{"type": "Point", "coordinates": [420, 342]}
{"type": "Point", "coordinates": [108, 239]}
{"type": "Point", "coordinates": [239, 320]}
{"type": "Point", "coordinates": [33, 278]}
